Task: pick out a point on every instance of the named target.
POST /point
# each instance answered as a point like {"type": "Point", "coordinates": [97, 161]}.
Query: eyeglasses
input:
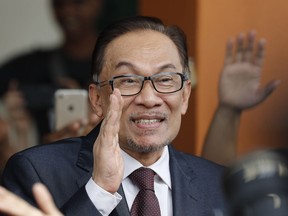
{"type": "Point", "coordinates": [130, 84]}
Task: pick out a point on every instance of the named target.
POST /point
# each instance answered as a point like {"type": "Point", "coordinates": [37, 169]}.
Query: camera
{"type": "Point", "coordinates": [257, 184]}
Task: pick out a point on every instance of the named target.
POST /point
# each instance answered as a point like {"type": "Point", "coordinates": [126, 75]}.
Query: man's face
{"type": "Point", "coordinates": [76, 16]}
{"type": "Point", "coordinates": [150, 120]}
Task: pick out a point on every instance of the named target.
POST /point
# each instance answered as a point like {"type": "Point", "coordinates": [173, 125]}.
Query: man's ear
{"type": "Point", "coordinates": [95, 100]}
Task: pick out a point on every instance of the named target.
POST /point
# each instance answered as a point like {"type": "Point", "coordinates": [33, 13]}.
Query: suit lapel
{"type": "Point", "coordinates": [122, 208]}
{"type": "Point", "coordinates": [85, 157]}
{"type": "Point", "coordinates": [185, 194]}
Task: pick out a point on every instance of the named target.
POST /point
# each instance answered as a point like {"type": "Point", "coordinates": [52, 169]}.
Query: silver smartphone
{"type": "Point", "coordinates": [70, 105]}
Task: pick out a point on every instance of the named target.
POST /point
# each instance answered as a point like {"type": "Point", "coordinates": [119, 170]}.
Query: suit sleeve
{"type": "Point", "coordinates": [19, 176]}
{"type": "Point", "coordinates": [80, 204]}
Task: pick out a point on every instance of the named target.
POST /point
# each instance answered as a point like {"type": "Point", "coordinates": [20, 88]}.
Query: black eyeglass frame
{"type": "Point", "coordinates": [144, 78]}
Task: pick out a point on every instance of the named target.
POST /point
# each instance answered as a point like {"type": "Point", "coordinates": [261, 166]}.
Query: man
{"type": "Point", "coordinates": [141, 88]}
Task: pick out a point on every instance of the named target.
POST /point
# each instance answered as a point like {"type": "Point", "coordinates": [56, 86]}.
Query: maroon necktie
{"type": "Point", "coordinates": [146, 202]}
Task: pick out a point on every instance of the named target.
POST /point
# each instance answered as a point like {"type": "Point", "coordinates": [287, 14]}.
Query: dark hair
{"type": "Point", "coordinates": [132, 24]}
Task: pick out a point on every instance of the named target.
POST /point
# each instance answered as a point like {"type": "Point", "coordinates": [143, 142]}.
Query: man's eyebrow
{"type": "Point", "coordinates": [124, 63]}
{"type": "Point", "coordinates": [128, 64]}
{"type": "Point", "coordinates": [167, 66]}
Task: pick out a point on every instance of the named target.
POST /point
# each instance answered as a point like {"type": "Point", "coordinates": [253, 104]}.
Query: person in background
{"type": "Point", "coordinates": [38, 74]}
{"type": "Point", "coordinates": [28, 82]}
{"type": "Point", "coordinates": [239, 89]}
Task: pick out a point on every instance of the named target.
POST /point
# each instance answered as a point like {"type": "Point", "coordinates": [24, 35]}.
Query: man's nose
{"type": "Point", "coordinates": [148, 96]}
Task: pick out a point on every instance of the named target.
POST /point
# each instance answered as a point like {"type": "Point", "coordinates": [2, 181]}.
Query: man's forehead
{"type": "Point", "coordinates": [140, 42]}
{"type": "Point", "coordinates": [140, 52]}
{"type": "Point", "coordinates": [141, 35]}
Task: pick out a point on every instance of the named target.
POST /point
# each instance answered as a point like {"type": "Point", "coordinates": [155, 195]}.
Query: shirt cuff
{"type": "Point", "coordinates": [104, 201]}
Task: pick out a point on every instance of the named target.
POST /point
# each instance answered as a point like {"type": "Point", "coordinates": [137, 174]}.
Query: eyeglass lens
{"type": "Point", "coordinates": [162, 83]}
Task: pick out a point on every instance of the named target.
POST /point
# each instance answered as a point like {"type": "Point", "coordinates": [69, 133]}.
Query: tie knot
{"type": "Point", "coordinates": [143, 178]}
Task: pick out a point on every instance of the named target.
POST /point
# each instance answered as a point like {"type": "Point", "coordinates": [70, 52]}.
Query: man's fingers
{"type": "Point", "coordinates": [118, 104]}
{"type": "Point", "coordinates": [269, 88]}
{"type": "Point", "coordinates": [110, 126]}
{"type": "Point", "coordinates": [45, 200]}
{"type": "Point", "coordinates": [245, 49]}
{"type": "Point", "coordinates": [229, 51]}
{"type": "Point", "coordinates": [260, 53]}
{"type": "Point", "coordinates": [13, 205]}
{"type": "Point", "coordinates": [240, 48]}
{"type": "Point", "coordinates": [248, 51]}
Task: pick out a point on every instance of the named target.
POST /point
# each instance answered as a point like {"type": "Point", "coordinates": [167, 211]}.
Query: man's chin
{"type": "Point", "coordinates": [145, 146]}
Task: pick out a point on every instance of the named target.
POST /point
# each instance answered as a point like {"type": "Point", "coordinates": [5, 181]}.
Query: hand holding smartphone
{"type": "Point", "coordinates": [70, 105]}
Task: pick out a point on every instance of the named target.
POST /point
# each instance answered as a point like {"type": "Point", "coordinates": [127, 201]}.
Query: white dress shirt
{"type": "Point", "coordinates": [162, 186]}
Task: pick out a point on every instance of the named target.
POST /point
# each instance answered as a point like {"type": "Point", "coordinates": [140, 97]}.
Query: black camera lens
{"type": "Point", "coordinates": [257, 185]}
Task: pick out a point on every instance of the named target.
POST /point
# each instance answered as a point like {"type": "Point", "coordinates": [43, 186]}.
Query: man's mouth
{"type": "Point", "coordinates": [147, 121]}
{"type": "Point", "coordinates": [153, 120]}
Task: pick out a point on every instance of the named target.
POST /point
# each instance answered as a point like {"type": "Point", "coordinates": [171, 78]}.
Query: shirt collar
{"type": "Point", "coordinates": [160, 167]}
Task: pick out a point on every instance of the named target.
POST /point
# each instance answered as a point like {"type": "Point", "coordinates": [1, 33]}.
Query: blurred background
{"type": "Point", "coordinates": [26, 25]}
{"type": "Point", "coordinates": [208, 24]}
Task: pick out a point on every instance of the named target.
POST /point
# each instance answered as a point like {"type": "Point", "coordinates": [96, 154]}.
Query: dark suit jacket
{"type": "Point", "coordinates": [66, 166]}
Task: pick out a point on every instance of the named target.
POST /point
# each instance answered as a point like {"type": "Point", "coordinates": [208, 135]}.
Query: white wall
{"type": "Point", "coordinates": [24, 25]}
